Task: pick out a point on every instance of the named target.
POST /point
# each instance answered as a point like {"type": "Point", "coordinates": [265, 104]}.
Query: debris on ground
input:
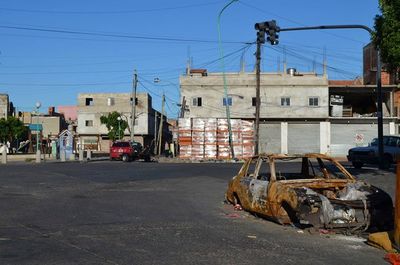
{"type": "Point", "coordinates": [233, 215]}
{"type": "Point", "coordinates": [252, 236]}
{"type": "Point", "coordinates": [323, 231]}
{"type": "Point", "coordinates": [393, 258]}
{"type": "Point", "coordinates": [380, 240]}
{"type": "Point", "coordinates": [238, 207]}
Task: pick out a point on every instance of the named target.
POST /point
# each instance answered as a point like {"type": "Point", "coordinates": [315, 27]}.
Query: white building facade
{"type": "Point", "coordinates": [295, 114]}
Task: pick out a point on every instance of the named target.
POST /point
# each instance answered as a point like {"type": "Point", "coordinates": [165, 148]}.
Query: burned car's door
{"type": "Point", "coordinates": [254, 185]}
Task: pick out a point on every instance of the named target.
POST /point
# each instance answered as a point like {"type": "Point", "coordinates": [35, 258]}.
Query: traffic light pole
{"type": "Point", "coordinates": [378, 81]}
{"type": "Point", "coordinates": [160, 127]}
{"type": "Point", "coordinates": [133, 110]}
{"type": "Point", "coordinates": [258, 101]}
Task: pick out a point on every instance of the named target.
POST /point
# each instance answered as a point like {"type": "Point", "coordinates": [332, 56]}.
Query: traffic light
{"type": "Point", "coordinates": [261, 36]}
{"type": "Point", "coordinates": [272, 32]}
{"type": "Point", "coordinates": [269, 27]}
{"type": "Point", "coordinates": [261, 26]}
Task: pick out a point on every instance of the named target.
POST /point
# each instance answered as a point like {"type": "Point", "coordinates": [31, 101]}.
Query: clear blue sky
{"type": "Point", "coordinates": [53, 67]}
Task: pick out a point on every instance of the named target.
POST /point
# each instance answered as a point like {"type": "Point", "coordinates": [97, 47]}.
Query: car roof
{"type": "Point", "coordinates": [306, 155]}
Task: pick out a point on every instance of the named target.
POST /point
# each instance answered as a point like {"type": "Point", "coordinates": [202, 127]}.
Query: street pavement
{"type": "Point", "coordinates": [152, 213]}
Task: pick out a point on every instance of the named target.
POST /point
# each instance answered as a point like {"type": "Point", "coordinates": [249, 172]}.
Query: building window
{"type": "Point", "coordinates": [313, 102]}
{"type": "Point", "coordinates": [285, 102]}
{"type": "Point", "coordinates": [197, 102]}
{"type": "Point", "coordinates": [225, 100]}
{"type": "Point", "coordinates": [89, 123]}
{"type": "Point", "coordinates": [89, 102]}
{"type": "Point", "coordinates": [254, 101]}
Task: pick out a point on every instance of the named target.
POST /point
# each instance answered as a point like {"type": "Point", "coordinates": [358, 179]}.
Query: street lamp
{"type": "Point", "coordinates": [37, 105]}
{"type": "Point", "coordinates": [119, 127]}
{"type": "Point", "coordinates": [221, 52]}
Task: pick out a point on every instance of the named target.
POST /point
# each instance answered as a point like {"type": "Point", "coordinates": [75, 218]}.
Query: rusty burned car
{"type": "Point", "coordinates": [317, 191]}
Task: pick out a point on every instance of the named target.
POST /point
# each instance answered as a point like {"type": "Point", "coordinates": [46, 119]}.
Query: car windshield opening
{"type": "Point", "coordinates": [307, 168]}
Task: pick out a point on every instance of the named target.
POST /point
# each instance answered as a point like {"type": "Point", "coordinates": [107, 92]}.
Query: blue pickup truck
{"type": "Point", "coordinates": [359, 156]}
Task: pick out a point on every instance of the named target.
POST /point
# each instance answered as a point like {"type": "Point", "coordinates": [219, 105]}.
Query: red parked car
{"type": "Point", "coordinates": [127, 151]}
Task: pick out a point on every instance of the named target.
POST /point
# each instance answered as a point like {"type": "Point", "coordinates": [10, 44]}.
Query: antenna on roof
{"type": "Point", "coordinates": [324, 61]}
{"type": "Point", "coordinates": [284, 59]}
{"type": "Point", "coordinates": [189, 61]}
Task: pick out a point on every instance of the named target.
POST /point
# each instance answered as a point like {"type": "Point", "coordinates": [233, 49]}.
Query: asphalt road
{"type": "Point", "coordinates": [150, 213]}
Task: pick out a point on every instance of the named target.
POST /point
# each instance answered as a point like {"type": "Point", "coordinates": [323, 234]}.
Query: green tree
{"type": "Point", "coordinates": [116, 128]}
{"type": "Point", "coordinates": [387, 33]}
{"type": "Point", "coordinates": [12, 129]}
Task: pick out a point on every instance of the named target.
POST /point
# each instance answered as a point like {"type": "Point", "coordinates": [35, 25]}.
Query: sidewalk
{"type": "Point", "coordinates": [105, 157]}
{"type": "Point", "coordinates": [27, 157]}
{"type": "Point", "coordinates": [31, 158]}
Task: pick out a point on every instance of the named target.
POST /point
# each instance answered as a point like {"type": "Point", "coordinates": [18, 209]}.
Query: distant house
{"type": "Point", "coordinates": [50, 125]}
{"type": "Point", "coordinates": [4, 105]}
{"type": "Point", "coordinates": [70, 113]}
{"type": "Point", "coordinates": [94, 135]}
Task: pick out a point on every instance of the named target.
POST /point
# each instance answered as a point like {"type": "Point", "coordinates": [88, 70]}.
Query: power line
{"type": "Point", "coordinates": [66, 65]}
{"type": "Point", "coordinates": [71, 72]}
{"type": "Point", "coordinates": [304, 58]}
{"type": "Point", "coordinates": [105, 12]}
{"type": "Point", "coordinates": [64, 85]}
{"type": "Point", "coordinates": [114, 35]}
{"type": "Point", "coordinates": [153, 93]}
{"type": "Point", "coordinates": [293, 21]}
{"type": "Point", "coordinates": [248, 45]}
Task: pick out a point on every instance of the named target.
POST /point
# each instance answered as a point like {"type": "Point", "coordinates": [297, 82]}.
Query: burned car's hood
{"type": "Point", "coordinates": [355, 204]}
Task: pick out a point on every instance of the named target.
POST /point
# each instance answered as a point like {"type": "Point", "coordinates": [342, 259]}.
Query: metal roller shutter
{"type": "Point", "coordinates": [270, 138]}
{"type": "Point", "coordinates": [303, 138]}
{"type": "Point", "coordinates": [343, 136]}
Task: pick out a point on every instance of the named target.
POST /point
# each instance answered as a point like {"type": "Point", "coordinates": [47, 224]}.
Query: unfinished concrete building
{"type": "Point", "coordinates": [91, 106]}
{"type": "Point", "coordinates": [300, 112]}
{"type": "Point", "coordinates": [4, 105]}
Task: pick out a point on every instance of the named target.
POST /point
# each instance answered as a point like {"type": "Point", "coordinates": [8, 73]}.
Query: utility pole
{"type": "Point", "coordinates": [155, 133]}
{"type": "Point", "coordinates": [258, 100]}
{"type": "Point", "coordinates": [269, 27]}
{"type": "Point", "coordinates": [160, 132]}
{"type": "Point", "coordinates": [183, 106]}
{"type": "Point", "coordinates": [379, 109]}
{"type": "Point", "coordinates": [133, 106]}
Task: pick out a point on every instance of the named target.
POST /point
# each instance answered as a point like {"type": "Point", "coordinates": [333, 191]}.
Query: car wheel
{"type": "Point", "coordinates": [358, 165]}
{"type": "Point", "coordinates": [291, 214]}
{"type": "Point", "coordinates": [125, 158]}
